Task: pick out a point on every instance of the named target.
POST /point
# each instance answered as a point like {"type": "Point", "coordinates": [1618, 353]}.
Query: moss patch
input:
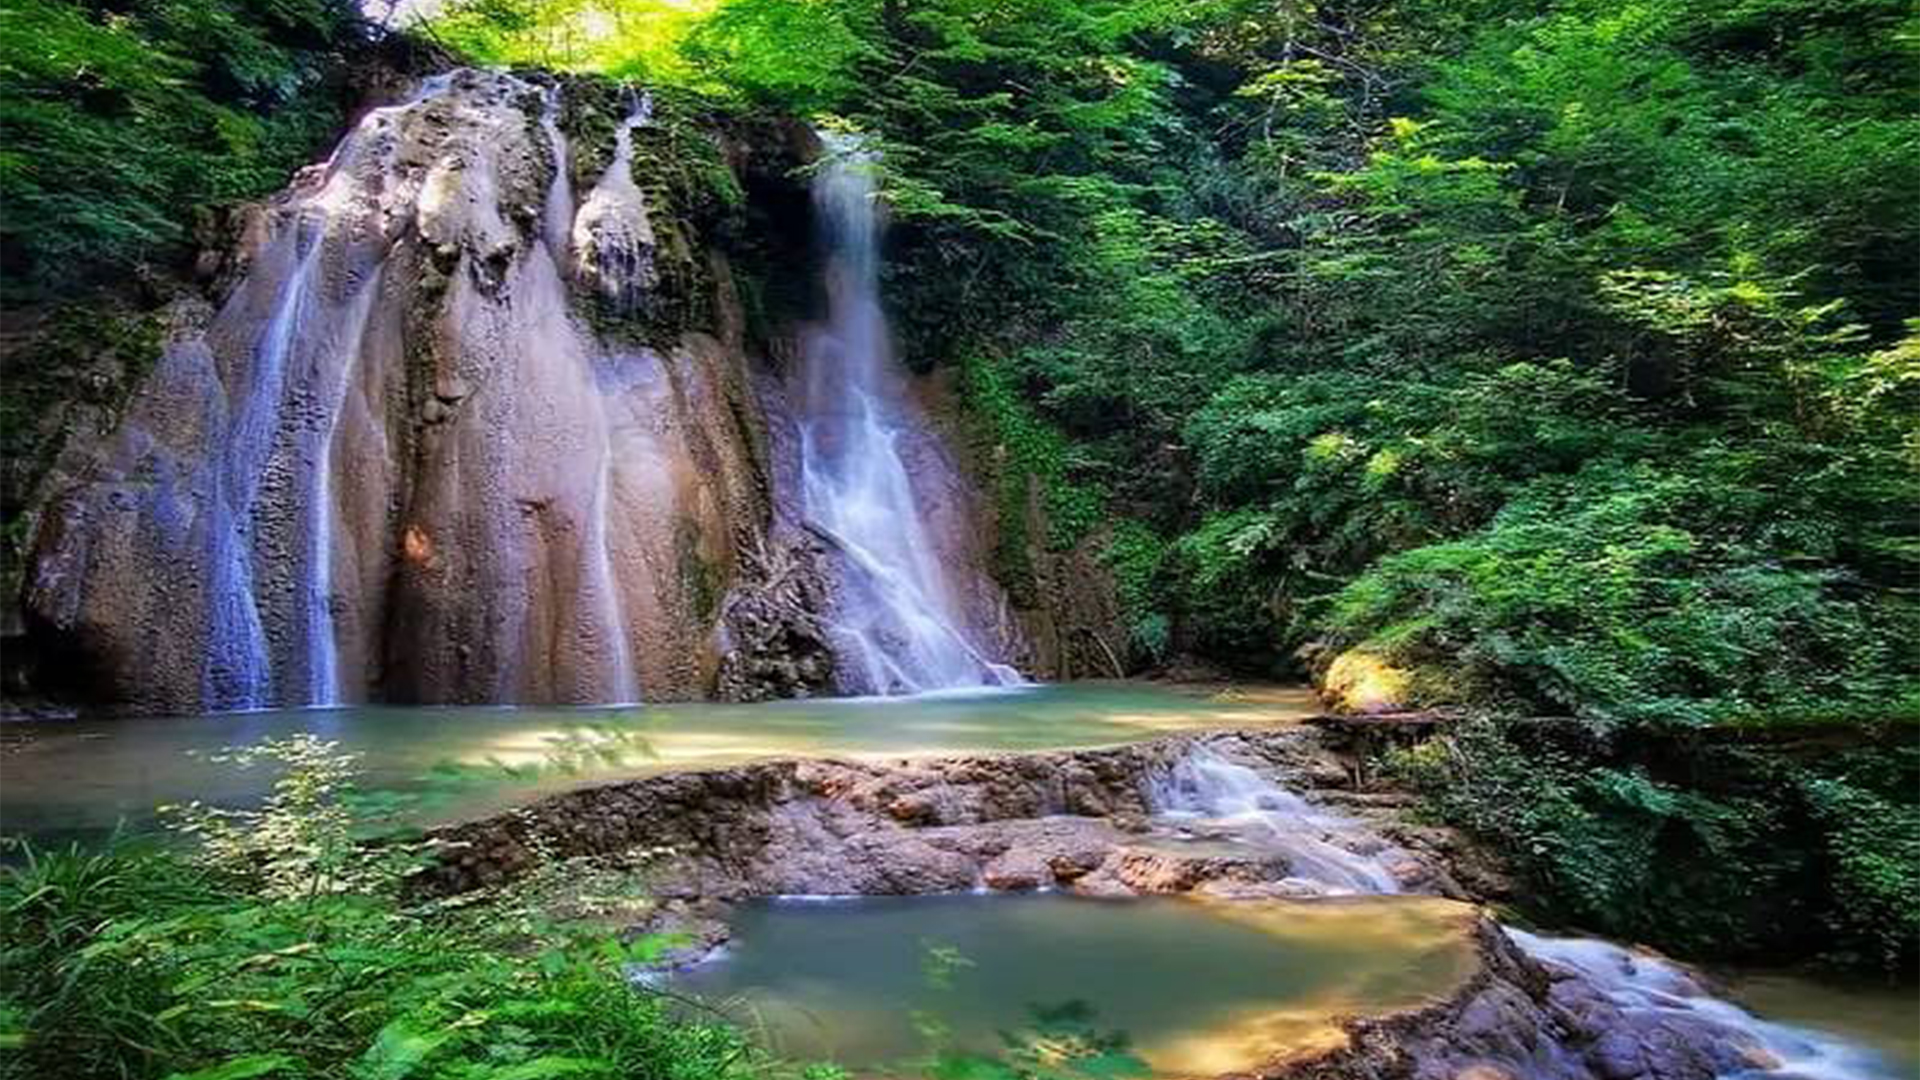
{"type": "Point", "coordinates": [1030, 464]}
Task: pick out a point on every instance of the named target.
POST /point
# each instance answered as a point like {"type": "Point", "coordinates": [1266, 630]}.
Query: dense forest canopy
{"type": "Point", "coordinates": [1406, 325]}
{"type": "Point", "coordinates": [1545, 359]}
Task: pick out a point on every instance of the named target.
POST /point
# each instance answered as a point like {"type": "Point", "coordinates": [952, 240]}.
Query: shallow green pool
{"type": "Point", "coordinates": [879, 984]}
{"type": "Point", "coordinates": [80, 777]}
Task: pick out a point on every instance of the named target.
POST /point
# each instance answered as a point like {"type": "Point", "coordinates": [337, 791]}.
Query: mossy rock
{"type": "Point", "coordinates": [1364, 681]}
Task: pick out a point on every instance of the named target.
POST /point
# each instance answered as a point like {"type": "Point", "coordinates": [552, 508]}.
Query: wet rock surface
{"type": "Point", "coordinates": [1527, 1018]}
{"type": "Point", "coordinates": [1078, 819]}
{"type": "Point", "coordinates": [776, 643]}
{"type": "Point", "coordinates": [397, 462]}
{"type": "Point", "coordinates": [1091, 821]}
{"type": "Point", "coordinates": [478, 419]}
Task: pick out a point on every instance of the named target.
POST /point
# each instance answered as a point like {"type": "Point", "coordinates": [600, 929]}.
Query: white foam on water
{"type": "Point", "coordinates": [1319, 846]}
{"type": "Point", "coordinates": [1639, 983]}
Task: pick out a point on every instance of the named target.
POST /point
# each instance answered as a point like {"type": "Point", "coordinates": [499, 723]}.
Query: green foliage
{"type": "Point", "coordinates": [281, 962]}
{"type": "Point", "coordinates": [628, 39]}
{"type": "Point", "coordinates": [1029, 459]}
{"type": "Point", "coordinates": [301, 840]}
{"type": "Point", "coordinates": [1692, 846]}
{"type": "Point", "coordinates": [183, 978]}
{"type": "Point", "coordinates": [1872, 843]}
{"type": "Point", "coordinates": [1634, 593]}
{"type": "Point", "coordinates": [1225, 591]}
{"type": "Point", "coordinates": [1137, 556]}
{"type": "Point", "coordinates": [1332, 470]}
{"type": "Point", "coordinates": [121, 124]}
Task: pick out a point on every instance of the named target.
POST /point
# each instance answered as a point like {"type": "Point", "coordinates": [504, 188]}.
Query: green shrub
{"type": "Point", "coordinates": [1135, 555]}
{"type": "Point", "coordinates": [122, 123]}
{"type": "Point", "coordinates": [280, 948]}
{"type": "Point", "coordinates": [1872, 845]}
{"type": "Point", "coordinates": [1026, 458]}
{"type": "Point", "coordinates": [1699, 848]}
{"type": "Point", "coordinates": [1635, 593]}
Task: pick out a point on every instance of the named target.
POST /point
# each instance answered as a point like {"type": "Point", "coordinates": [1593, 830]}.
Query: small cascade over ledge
{"type": "Point", "coordinates": [897, 625]}
{"type": "Point", "coordinates": [1326, 854]}
{"type": "Point", "coordinates": [1704, 1034]}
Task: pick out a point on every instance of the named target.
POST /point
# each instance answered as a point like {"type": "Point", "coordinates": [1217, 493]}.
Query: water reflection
{"type": "Point", "coordinates": [1175, 986]}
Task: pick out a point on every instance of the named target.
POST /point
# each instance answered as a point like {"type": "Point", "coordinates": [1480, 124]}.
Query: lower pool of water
{"type": "Point", "coordinates": [1186, 988]}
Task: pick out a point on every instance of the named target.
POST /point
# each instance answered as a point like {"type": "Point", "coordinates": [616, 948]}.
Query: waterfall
{"type": "Point", "coordinates": [613, 238]}
{"type": "Point", "coordinates": [1647, 988]}
{"type": "Point", "coordinates": [1324, 850]}
{"type": "Point", "coordinates": [238, 669]}
{"type": "Point", "coordinates": [323, 653]}
{"type": "Point", "coordinates": [556, 226]}
{"type": "Point", "coordinates": [896, 626]}
{"type": "Point", "coordinates": [291, 358]}
{"type": "Point", "coordinates": [400, 461]}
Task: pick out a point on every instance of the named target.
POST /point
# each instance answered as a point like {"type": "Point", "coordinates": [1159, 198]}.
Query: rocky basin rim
{"type": "Point", "coordinates": [1084, 821]}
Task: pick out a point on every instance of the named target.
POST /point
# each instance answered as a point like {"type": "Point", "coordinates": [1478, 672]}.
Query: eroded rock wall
{"type": "Point", "coordinates": [479, 419]}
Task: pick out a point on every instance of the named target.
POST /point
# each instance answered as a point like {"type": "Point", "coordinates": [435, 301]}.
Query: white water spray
{"type": "Point", "coordinates": [1646, 986]}
{"type": "Point", "coordinates": [239, 672]}
{"type": "Point", "coordinates": [557, 226]}
{"type": "Point", "coordinates": [611, 228]}
{"type": "Point", "coordinates": [612, 237]}
{"type": "Point", "coordinates": [323, 650]}
{"type": "Point", "coordinates": [896, 625]}
{"type": "Point", "coordinates": [1323, 850]}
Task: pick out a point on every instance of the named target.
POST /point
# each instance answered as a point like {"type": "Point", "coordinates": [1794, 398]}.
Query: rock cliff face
{"type": "Point", "coordinates": [478, 420]}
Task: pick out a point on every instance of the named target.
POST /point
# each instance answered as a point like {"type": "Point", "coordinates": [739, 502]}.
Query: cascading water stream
{"type": "Point", "coordinates": [1647, 987]}
{"type": "Point", "coordinates": [615, 190]}
{"type": "Point", "coordinates": [612, 238]}
{"type": "Point", "coordinates": [1321, 848]}
{"type": "Point", "coordinates": [895, 624]}
{"type": "Point", "coordinates": [323, 664]}
{"type": "Point", "coordinates": [556, 227]}
{"type": "Point", "coordinates": [239, 670]}
{"type": "Point", "coordinates": [1204, 784]}
{"type": "Point", "coordinates": [399, 462]}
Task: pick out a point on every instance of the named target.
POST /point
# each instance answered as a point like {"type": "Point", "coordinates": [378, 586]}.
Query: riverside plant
{"type": "Point", "coordinates": [282, 945]}
{"type": "Point", "coordinates": [304, 840]}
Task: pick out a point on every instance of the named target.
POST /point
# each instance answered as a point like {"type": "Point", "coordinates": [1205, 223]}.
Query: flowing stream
{"type": "Point", "coordinates": [897, 625]}
{"type": "Point", "coordinates": [1646, 987]}
{"type": "Point", "coordinates": [1334, 855]}
{"type": "Point", "coordinates": [1328, 854]}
